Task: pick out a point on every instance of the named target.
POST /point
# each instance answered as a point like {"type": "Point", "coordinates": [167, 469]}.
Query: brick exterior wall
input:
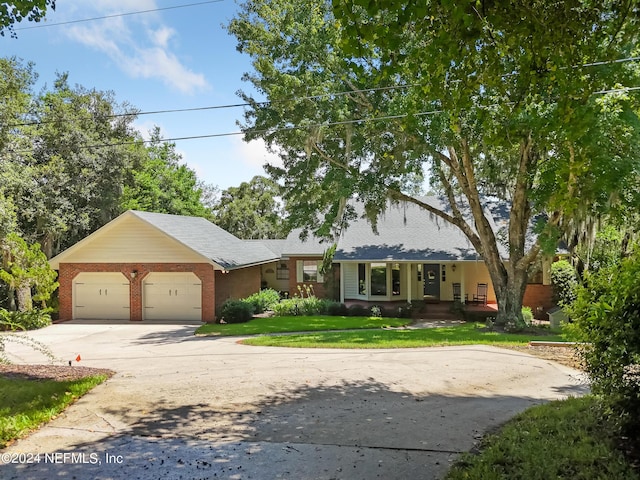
{"type": "Point", "coordinates": [540, 298]}
{"type": "Point", "coordinates": [237, 284]}
{"type": "Point", "coordinates": [318, 288]}
{"type": "Point", "coordinates": [68, 271]}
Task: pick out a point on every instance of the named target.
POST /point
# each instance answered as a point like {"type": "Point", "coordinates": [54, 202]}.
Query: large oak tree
{"type": "Point", "coordinates": [524, 102]}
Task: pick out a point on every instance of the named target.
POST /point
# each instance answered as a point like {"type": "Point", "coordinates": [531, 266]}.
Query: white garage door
{"type": "Point", "coordinates": [101, 296]}
{"type": "Point", "coordinates": [172, 296]}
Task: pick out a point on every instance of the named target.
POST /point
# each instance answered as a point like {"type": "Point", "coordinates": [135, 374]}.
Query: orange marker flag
{"type": "Point", "coordinates": [78, 358]}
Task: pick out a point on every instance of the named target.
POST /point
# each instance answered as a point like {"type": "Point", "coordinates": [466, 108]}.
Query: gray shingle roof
{"type": "Point", "coordinates": [274, 245]}
{"type": "Point", "coordinates": [406, 232]}
{"type": "Point", "coordinates": [209, 240]}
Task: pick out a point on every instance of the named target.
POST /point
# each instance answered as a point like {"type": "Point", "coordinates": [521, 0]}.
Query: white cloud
{"type": "Point", "coordinates": [254, 154]}
{"type": "Point", "coordinates": [162, 35]}
{"type": "Point", "coordinates": [140, 45]}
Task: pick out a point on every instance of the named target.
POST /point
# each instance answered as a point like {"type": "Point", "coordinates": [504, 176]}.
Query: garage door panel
{"type": "Point", "coordinates": [101, 296]}
{"type": "Point", "coordinates": [172, 296]}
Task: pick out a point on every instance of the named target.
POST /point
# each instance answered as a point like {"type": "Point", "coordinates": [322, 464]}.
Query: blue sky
{"type": "Point", "coordinates": [171, 59]}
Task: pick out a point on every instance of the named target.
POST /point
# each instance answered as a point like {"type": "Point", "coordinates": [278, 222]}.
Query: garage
{"type": "Point", "coordinates": [103, 295]}
{"type": "Point", "coordinates": [172, 296]}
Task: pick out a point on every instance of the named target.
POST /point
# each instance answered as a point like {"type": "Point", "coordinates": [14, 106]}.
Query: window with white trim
{"type": "Point", "coordinates": [309, 271]}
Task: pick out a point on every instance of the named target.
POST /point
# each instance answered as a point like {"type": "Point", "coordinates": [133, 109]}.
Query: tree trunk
{"type": "Point", "coordinates": [11, 293]}
{"type": "Point", "coordinates": [25, 303]}
{"type": "Point", "coordinates": [509, 294]}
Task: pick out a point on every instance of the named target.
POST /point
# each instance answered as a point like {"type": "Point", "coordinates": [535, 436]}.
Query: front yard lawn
{"type": "Point", "coordinates": [464, 334]}
{"type": "Point", "coordinates": [298, 324]}
{"type": "Point", "coordinates": [25, 404]}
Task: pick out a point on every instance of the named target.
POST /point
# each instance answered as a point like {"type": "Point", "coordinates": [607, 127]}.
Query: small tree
{"type": "Point", "coordinates": [25, 268]}
{"type": "Point", "coordinates": [564, 280]}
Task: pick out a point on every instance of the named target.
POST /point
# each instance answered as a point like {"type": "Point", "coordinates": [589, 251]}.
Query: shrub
{"type": "Point", "coordinates": [527, 315]}
{"type": "Point", "coordinates": [376, 311]}
{"type": "Point", "coordinates": [606, 313]}
{"type": "Point", "coordinates": [286, 307]}
{"type": "Point", "coordinates": [31, 320]}
{"type": "Point", "coordinates": [564, 280]}
{"type": "Point", "coordinates": [263, 300]}
{"type": "Point", "coordinates": [236, 311]}
{"type": "Point", "coordinates": [302, 306]}
{"type": "Point", "coordinates": [337, 309]}
{"type": "Point", "coordinates": [358, 311]}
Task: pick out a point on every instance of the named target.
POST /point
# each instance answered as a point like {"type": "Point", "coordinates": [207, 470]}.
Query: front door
{"type": "Point", "coordinates": [431, 281]}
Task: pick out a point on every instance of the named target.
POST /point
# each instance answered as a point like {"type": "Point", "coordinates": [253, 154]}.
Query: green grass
{"type": "Point", "coordinates": [27, 404]}
{"type": "Point", "coordinates": [559, 440]}
{"type": "Point", "coordinates": [298, 324]}
{"type": "Point", "coordinates": [464, 334]}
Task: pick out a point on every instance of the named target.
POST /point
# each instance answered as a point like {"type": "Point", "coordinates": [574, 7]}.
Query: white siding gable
{"type": "Point", "coordinates": [132, 241]}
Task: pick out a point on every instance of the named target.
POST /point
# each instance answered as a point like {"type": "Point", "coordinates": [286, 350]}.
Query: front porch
{"type": "Point", "coordinates": [444, 310]}
{"type": "Point", "coordinates": [433, 282]}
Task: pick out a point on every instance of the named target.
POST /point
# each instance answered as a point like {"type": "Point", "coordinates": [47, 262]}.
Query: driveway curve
{"type": "Point", "coordinates": [186, 407]}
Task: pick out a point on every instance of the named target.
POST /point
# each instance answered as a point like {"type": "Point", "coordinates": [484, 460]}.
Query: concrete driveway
{"type": "Point", "coordinates": [184, 407]}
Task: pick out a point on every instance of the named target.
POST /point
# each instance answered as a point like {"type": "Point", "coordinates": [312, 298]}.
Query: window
{"type": "Point", "coordinates": [395, 279]}
{"type": "Point", "coordinates": [362, 279]}
{"type": "Point", "coordinates": [379, 279]}
{"type": "Point", "coordinates": [310, 271]}
{"type": "Point", "coordinates": [282, 271]}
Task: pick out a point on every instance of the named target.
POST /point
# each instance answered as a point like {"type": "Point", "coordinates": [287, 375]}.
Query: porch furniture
{"type": "Point", "coordinates": [481, 294]}
{"type": "Point", "coordinates": [457, 292]}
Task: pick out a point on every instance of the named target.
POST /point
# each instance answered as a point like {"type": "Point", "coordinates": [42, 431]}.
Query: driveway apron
{"type": "Point", "coordinates": [186, 407]}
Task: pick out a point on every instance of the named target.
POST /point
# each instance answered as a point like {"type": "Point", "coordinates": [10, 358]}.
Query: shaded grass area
{"type": "Point", "coordinates": [25, 404]}
{"type": "Point", "coordinates": [464, 334]}
{"type": "Point", "coordinates": [298, 324]}
{"type": "Point", "coordinates": [563, 440]}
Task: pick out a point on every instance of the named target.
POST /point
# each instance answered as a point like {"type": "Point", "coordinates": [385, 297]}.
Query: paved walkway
{"type": "Point", "coordinates": [190, 407]}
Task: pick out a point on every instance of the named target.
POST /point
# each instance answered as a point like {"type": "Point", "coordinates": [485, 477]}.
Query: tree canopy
{"type": "Point", "coordinates": [70, 161]}
{"type": "Point", "coordinates": [522, 102]}
{"type": "Point", "coordinates": [18, 10]}
{"type": "Point", "coordinates": [163, 184]}
{"type": "Point", "coordinates": [252, 210]}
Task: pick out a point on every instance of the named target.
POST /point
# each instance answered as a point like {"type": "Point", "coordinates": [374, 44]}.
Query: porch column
{"type": "Point", "coordinates": [409, 286]}
{"type": "Point", "coordinates": [463, 290]}
{"type": "Point", "coordinates": [341, 283]}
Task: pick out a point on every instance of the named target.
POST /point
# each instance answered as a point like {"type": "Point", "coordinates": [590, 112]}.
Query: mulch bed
{"type": "Point", "coordinates": [59, 373]}
{"type": "Point", "coordinates": [565, 355]}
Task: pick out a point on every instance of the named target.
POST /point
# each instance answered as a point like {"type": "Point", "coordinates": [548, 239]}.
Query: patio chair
{"type": "Point", "coordinates": [457, 292]}
{"type": "Point", "coordinates": [481, 294]}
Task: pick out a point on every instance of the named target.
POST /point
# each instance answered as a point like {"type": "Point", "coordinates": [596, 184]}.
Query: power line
{"type": "Point", "coordinates": [300, 127]}
{"type": "Point", "coordinates": [248, 132]}
{"type": "Point", "coordinates": [324, 95]}
{"type": "Point", "coordinates": [232, 105]}
{"type": "Point", "coordinates": [44, 24]}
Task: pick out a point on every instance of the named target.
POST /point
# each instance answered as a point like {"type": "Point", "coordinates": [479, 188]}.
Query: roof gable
{"type": "Point", "coordinates": [177, 239]}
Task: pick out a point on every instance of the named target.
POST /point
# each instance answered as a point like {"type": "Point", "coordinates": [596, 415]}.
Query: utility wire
{"type": "Point", "coordinates": [44, 24]}
{"type": "Point", "coordinates": [310, 97]}
{"type": "Point", "coordinates": [249, 132]}
{"type": "Point", "coordinates": [299, 127]}
{"type": "Point", "coordinates": [233, 105]}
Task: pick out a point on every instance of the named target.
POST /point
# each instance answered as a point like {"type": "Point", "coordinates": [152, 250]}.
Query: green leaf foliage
{"type": "Point", "coordinates": [24, 268]}
{"type": "Point", "coordinates": [508, 100]}
{"type": "Point", "coordinates": [252, 210]}
{"type": "Point", "coordinates": [564, 280]}
{"type": "Point", "coordinates": [236, 311]}
{"type": "Point", "coordinates": [19, 10]}
{"type": "Point", "coordinates": [163, 184]}
{"type": "Point", "coordinates": [607, 316]}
